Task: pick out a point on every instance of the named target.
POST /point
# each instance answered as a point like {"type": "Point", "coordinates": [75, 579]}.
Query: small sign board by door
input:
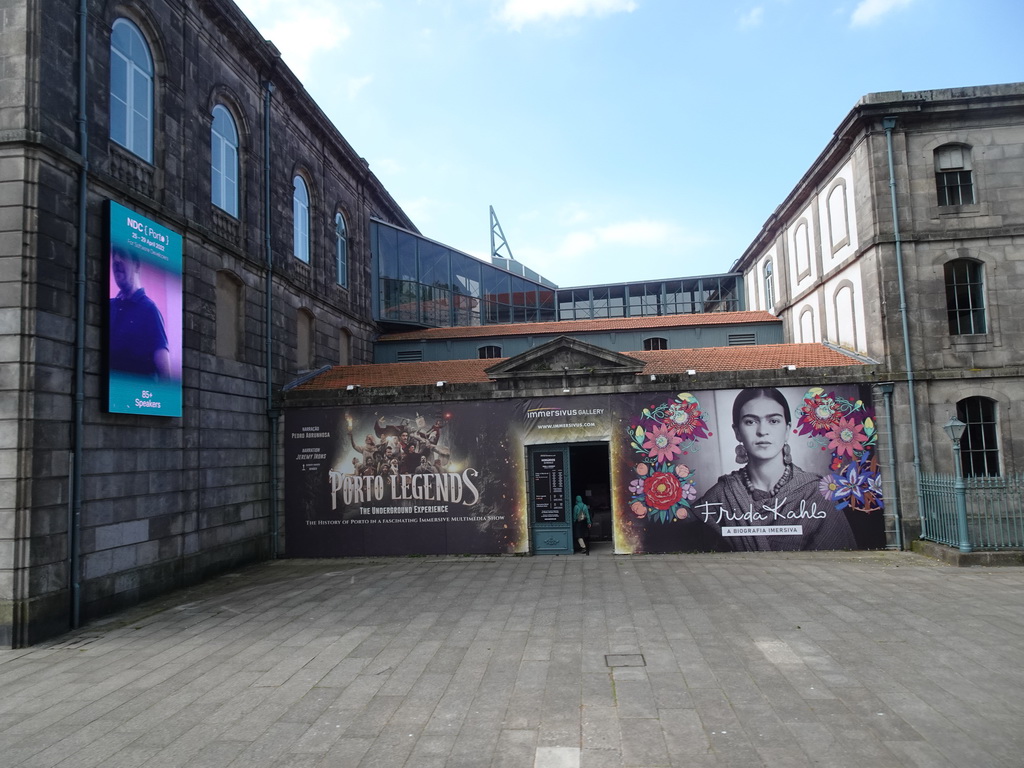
{"type": "Point", "coordinates": [549, 487]}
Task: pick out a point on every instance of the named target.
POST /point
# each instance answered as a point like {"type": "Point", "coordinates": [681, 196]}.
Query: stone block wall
{"type": "Point", "coordinates": [164, 501]}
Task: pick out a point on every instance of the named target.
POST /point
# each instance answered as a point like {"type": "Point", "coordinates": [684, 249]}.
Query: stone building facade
{"type": "Point", "coordinates": [179, 111]}
{"type": "Point", "coordinates": [99, 510]}
{"type": "Point", "coordinates": [932, 293]}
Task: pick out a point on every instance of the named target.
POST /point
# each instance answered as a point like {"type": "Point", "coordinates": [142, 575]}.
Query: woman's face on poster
{"type": "Point", "coordinates": [762, 429]}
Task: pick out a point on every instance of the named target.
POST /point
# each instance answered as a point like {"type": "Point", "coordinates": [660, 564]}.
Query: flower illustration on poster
{"type": "Point", "coordinates": [663, 487]}
{"type": "Point", "coordinates": [846, 429]}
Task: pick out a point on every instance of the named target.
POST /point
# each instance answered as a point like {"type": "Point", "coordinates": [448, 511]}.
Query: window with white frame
{"type": "Point", "coordinates": [489, 351]}
{"type": "Point", "coordinates": [341, 249]}
{"type": "Point", "coordinates": [655, 342]}
{"type": "Point", "coordinates": [300, 219]}
{"type": "Point", "coordinates": [224, 161]}
{"type": "Point", "coordinates": [965, 297]}
{"type": "Point", "coordinates": [131, 89]}
{"type": "Point", "coordinates": [954, 179]}
{"type": "Point", "coordinates": [979, 446]}
{"type": "Point", "coordinates": [769, 285]}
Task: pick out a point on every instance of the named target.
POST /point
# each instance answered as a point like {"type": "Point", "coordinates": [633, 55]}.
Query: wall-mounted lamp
{"type": "Point", "coordinates": [440, 384]}
{"type": "Point", "coordinates": [790, 367]}
{"type": "Point", "coordinates": [654, 377]}
{"type": "Point", "coordinates": [954, 429]}
{"type": "Point", "coordinates": [351, 387]}
{"type": "Point", "coordinates": [691, 372]}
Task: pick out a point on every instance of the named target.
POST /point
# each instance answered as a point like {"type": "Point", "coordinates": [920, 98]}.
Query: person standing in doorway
{"type": "Point", "coordinates": [581, 525]}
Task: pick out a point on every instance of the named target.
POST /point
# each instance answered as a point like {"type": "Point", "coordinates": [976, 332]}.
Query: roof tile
{"type": "Point", "coordinates": [708, 359]}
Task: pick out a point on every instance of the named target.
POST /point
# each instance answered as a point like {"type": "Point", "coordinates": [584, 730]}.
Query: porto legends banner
{"type": "Point", "coordinates": [726, 470]}
{"type": "Point", "coordinates": [401, 480]}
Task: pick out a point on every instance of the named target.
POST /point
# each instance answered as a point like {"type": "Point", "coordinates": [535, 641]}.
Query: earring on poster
{"type": "Point", "coordinates": [787, 455]}
{"type": "Point", "coordinates": [741, 454]}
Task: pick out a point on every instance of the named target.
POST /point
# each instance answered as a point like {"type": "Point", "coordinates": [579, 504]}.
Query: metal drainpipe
{"type": "Point", "coordinates": [886, 390]}
{"type": "Point", "coordinates": [75, 480]}
{"type": "Point", "coordinates": [888, 123]}
{"type": "Point", "coordinates": [272, 414]}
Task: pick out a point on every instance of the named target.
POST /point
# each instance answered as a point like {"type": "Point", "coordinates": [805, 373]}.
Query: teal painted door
{"type": "Point", "coordinates": [549, 499]}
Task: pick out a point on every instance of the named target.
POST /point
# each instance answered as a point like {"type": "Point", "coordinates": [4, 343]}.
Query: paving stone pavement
{"type": "Point", "coordinates": [872, 659]}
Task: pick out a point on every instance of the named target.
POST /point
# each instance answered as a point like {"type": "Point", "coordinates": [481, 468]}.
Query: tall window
{"type": "Point", "coordinates": [965, 297]}
{"type": "Point", "coordinates": [300, 220]}
{"type": "Point", "coordinates": [341, 249]}
{"type": "Point", "coordinates": [224, 161]}
{"type": "Point", "coordinates": [979, 447]}
{"type": "Point", "coordinates": [953, 175]}
{"type": "Point", "coordinates": [131, 90]}
{"type": "Point", "coordinates": [655, 342]}
{"type": "Point", "coordinates": [769, 285]}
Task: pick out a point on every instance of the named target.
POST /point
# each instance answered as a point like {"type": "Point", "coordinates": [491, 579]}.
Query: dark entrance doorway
{"type": "Point", "coordinates": [557, 475]}
{"type": "Point", "coordinates": [591, 479]}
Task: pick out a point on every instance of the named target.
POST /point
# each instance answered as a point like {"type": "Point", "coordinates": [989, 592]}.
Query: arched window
{"type": "Point", "coordinates": [224, 161]}
{"type": "Point", "coordinates": [979, 447]}
{"type": "Point", "coordinates": [341, 249]}
{"type": "Point", "coordinates": [131, 90]}
{"type": "Point", "coordinates": [229, 316]}
{"type": "Point", "coordinates": [769, 285]}
{"type": "Point", "coordinates": [844, 303]}
{"type": "Point", "coordinates": [802, 246]}
{"type": "Point", "coordinates": [954, 178]}
{"type": "Point", "coordinates": [489, 351]}
{"type": "Point", "coordinates": [300, 219]}
{"type": "Point", "coordinates": [838, 217]}
{"type": "Point", "coordinates": [965, 297]}
{"type": "Point", "coordinates": [655, 342]}
{"type": "Point", "coordinates": [807, 325]}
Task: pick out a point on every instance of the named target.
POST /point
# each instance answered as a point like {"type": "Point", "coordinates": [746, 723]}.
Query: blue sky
{"type": "Point", "coordinates": [617, 140]}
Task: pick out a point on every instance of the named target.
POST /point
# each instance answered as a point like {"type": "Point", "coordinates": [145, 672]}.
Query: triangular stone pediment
{"type": "Point", "coordinates": [565, 356]}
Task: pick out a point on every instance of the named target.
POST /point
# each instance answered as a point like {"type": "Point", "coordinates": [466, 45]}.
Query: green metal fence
{"type": "Point", "coordinates": [995, 511]}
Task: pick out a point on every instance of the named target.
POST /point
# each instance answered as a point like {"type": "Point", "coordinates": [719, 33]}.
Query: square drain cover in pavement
{"type": "Point", "coordinates": [625, 660]}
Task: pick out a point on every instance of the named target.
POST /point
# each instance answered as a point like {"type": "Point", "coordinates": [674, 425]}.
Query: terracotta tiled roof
{"type": "Point", "coordinates": [401, 374]}
{"type": "Point", "coordinates": [569, 327]}
{"type": "Point", "coordinates": [749, 358]}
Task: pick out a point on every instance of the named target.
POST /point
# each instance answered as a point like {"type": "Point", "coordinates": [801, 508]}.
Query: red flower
{"type": "Point", "coordinates": [662, 490]}
{"type": "Point", "coordinates": [685, 419]}
{"type": "Point", "coordinates": [818, 415]}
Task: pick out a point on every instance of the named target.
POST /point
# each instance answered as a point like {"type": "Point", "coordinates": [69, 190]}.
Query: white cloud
{"type": "Point", "coordinates": [573, 215]}
{"type": "Point", "coordinates": [753, 17]}
{"type": "Point", "coordinates": [356, 84]}
{"type": "Point", "coordinates": [300, 32]}
{"type": "Point", "coordinates": [870, 11]}
{"type": "Point", "coordinates": [516, 13]}
{"type": "Point", "coordinates": [622, 241]}
{"type": "Point", "coordinates": [388, 166]}
{"type": "Point", "coordinates": [641, 233]}
{"type": "Point", "coordinates": [421, 209]}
